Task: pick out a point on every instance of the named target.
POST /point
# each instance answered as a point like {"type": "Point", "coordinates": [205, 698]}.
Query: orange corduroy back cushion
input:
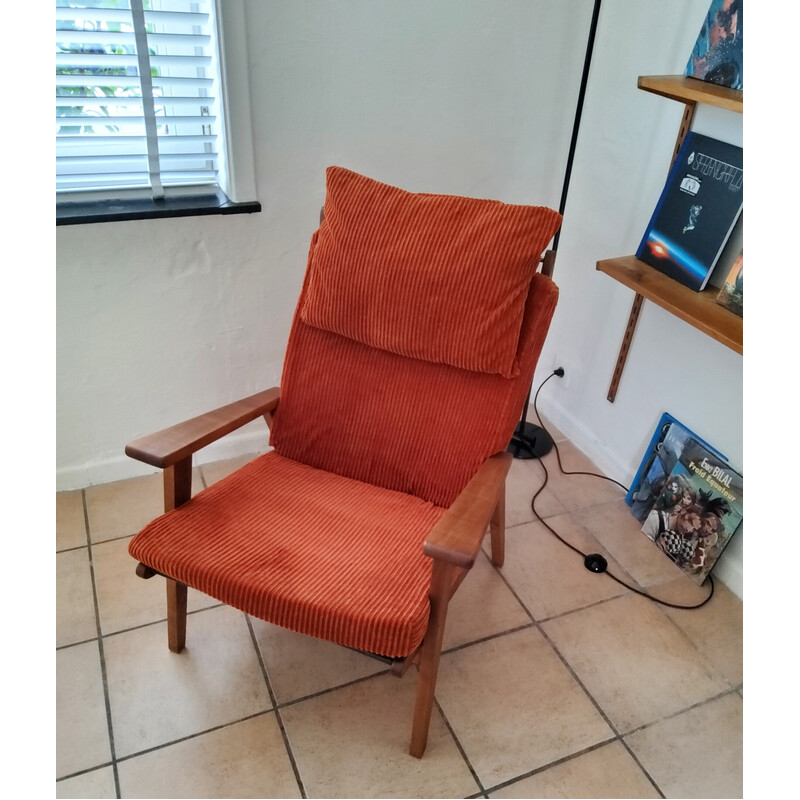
{"type": "Point", "coordinates": [439, 278]}
{"type": "Point", "coordinates": [401, 423]}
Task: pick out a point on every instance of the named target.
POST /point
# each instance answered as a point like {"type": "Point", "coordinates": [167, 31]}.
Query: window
{"type": "Point", "coordinates": [140, 104]}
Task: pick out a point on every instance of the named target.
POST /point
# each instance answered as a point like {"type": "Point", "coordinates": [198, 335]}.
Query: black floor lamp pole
{"type": "Point", "coordinates": [530, 440]}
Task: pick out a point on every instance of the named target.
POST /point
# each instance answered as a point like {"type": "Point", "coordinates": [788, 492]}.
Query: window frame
{"type": "Point", "coordinates": [237, 188]}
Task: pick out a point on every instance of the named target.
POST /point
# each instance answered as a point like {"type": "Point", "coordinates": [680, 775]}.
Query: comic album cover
{"type": "Point", "coordinates": [697, 512]}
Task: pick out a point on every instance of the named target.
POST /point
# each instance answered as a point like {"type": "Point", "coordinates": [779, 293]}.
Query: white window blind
{"type": "Point", "coordinates": [137, 95]}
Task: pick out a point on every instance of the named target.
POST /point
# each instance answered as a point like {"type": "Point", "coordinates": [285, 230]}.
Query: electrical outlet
{"type": "Point", "coordinates": [563, 380]}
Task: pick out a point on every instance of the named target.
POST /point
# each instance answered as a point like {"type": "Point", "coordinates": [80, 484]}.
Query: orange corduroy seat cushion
{"type": "Point", "coordinates": [305, 549]}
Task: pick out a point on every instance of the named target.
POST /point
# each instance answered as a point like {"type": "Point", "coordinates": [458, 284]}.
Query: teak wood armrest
{"type": "Point", "coordinates": [457, 537]}
{"type": "Point", "coordinates": [173, 444]}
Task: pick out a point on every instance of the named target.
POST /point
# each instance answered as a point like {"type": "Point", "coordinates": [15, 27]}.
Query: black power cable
{"type": "Point", "coordinates": [594, 562]}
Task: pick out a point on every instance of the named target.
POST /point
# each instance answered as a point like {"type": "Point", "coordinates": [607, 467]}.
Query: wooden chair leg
{"type": "Point", "coordinates": [176, 615]}
{"type": "Point", "coordinates": [497, 527]}
{"type": "Point", "coordinates": [429, 657]}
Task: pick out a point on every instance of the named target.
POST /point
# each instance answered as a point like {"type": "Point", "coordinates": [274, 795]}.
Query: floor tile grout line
{"type": "Point", "coordinates": [620, 737]}
{"type": "Point", "coordinates": [617, 736]}
{"type": "Point", "coordinates": [190, 736]}
{"type": "Point", "coordinates": [71, 549]}
{"type": "Point", "coordinates": [641, 766]}
{"type": "Point", "coordinates": [136, 627]}
{"type": "Point", "coordinates": [556, 762]}
{"type": "Point", "coordinates": [482, 792]}
{"type": "Point", "coordinates": [273, 699]}
{"type": "Point", "coordinates": [685, 710]}
{"type": "Point", "coordinates": [85, 510]}
{"type": "Point", "coordinates": [295, 700]}
{"type": "Point", "coordinates": [580, 683]}
{"type": "Point", "coordinates": [456, 648]}
{"type": "Point", "coordinates": [113, 539]}
{"type": "Point", "coordinates": [314, 695]}
{"type": "Point", "coordinates": [86, 771]}
{"type": "Point", "coordinates": [75, 644]}
{"type": "Point", "coordinates": [588, 606]}
{"type": "Point", "coordinates": [532, 520]}
{"type": "Point", "coordinates": [101, 650]}
{"type": "Point", "coordinates": [160, 621]}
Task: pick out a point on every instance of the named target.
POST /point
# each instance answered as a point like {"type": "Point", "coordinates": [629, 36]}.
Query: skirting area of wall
{"type": "Point", "coordinates": [249, 440]}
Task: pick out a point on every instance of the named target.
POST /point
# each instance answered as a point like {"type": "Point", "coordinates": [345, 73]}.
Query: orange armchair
{"type": "Point", "coordinates": [420, 315]}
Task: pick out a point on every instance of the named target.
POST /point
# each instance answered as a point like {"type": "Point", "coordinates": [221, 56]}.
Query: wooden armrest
{"type": "Point", "coordinates": [457, 537]}
{"type": "Point", "coordinates": [167, 447]}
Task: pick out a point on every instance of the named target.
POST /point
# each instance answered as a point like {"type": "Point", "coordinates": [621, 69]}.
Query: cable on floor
{"type": "Point", "coordinates": [586, 556]}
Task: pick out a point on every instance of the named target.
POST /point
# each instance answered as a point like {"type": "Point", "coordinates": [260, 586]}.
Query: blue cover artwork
{"type": "Point", "coordinates": [696, 212]}
{"type": "Point", "coordinates": [717, 54]}
{"type": "Point", "coordinates": [666, 445]}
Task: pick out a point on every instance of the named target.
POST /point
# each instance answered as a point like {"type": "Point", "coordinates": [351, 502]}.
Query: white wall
{"type": "Point", "coordinates": [158, 320]}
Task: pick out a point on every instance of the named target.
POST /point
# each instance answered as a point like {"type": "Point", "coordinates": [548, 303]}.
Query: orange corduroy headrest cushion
{"type": "Point", "coordinates": [440, 278]}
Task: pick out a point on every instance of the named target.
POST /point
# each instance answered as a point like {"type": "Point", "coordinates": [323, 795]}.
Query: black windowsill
{"type": "Point", "coordinates": [79, 213]}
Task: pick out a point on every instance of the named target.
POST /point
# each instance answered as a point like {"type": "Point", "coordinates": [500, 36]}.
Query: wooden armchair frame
{"type": "Point", "coordinates": [453, 543]}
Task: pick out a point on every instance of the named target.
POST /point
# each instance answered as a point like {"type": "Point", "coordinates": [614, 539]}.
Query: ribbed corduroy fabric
{"type": "Point", "coordinates": [435, 277]}
{"type": "Point", "coordinates": [379, 427]}
{"type": "Point", "coordinates": [401, 423]}
{"type": "Point", "coordinates": [305, 549]}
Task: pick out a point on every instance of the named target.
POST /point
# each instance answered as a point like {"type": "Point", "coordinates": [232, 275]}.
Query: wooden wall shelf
{"type": "Point", "coordinates": [692, 90]}
{"type": "Point", "coordinates": [699, 309]}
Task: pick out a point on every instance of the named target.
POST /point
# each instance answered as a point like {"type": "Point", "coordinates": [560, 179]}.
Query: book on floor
{"type": "Point", "coordinates": [666, 445]}
{"type": "Point", "coordinates": [697, 512]}
{"type": "Point", "coordinates": [697, 211]}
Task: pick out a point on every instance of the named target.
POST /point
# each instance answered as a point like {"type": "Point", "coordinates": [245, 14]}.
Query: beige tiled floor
{"type": "Point", "coordinates": [555, 682]}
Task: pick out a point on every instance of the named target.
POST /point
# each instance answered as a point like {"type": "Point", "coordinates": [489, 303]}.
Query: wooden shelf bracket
{"type": "Point", "coordinates": [633, 318]}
